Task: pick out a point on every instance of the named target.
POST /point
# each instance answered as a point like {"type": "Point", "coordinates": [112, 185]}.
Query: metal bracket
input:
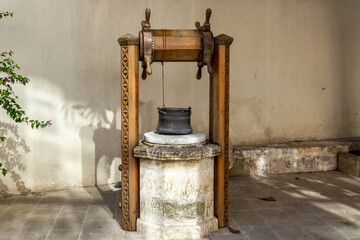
{"type": "Point", "coordinates": [207, 44]}
{"type": "Point", "coordinates": [146, 53]}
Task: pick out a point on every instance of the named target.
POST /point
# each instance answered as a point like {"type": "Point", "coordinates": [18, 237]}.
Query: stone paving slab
{"type": "Point", "coordinates": [310, 206]}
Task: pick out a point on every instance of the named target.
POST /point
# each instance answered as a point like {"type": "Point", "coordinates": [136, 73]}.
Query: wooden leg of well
{"type": "Point", "coordinates": [129, 131]}
{"type": "Point", "coordinates": [219, 125]}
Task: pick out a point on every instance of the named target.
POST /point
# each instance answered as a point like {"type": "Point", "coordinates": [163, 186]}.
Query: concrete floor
{"type": "Point", "coordinates": [308, 206]}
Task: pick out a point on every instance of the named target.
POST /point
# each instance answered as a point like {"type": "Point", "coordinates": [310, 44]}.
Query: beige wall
{"type": "Point", "coordinates": [294, 76]}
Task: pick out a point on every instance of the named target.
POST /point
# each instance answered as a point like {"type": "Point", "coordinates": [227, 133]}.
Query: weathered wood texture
{"type": "Point", "coordinates": [219, 125]}
{"type": "Point", "coordinates": [129, 132]}
{"type": "Point", "coordinates": [180, 45]}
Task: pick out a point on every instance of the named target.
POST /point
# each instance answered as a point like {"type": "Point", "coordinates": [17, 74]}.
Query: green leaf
{"type": "Point", "coordinates": [8, 97]}
{"type": "Point", "coordinates": [4, 171]}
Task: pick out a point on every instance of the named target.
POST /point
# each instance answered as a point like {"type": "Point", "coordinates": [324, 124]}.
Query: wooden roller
{"type": "Point", "coordinates": [180, 45]}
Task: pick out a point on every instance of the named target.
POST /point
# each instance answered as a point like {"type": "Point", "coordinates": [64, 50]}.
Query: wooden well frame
{"type": "Point", "coordinates": [219, 95]}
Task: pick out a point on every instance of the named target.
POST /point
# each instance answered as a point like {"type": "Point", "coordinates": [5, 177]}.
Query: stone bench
{"type": "Point", "coordinates": [292, 157]}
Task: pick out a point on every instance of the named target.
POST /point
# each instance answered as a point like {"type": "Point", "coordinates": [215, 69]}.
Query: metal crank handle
{"type": "Point", "coordinates": [146, 23]}
{"type": "Point", "coordinates": [147, 15]}
{"type": "Point", "coordinates": [209, 67]}
{"type": "Point", "coordinates": [148, 65]}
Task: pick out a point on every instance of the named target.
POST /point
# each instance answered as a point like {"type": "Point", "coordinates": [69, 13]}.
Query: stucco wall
{"type": "Point", "coordinates": [294, 76]}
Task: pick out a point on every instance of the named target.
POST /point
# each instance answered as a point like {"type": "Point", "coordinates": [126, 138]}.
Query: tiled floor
{"type": "Point", "coordinates": [308, 206]}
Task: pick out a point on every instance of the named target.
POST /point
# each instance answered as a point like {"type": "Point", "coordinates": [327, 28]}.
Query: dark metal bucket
{"type": "Point", "coordinates": [176, 121]}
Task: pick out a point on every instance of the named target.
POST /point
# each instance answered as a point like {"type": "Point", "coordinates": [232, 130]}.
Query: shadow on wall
{"type": "Point", "coordinates": [147, 118]}
{"type": "Point", "coordinates": [11, 151]}
{"type": "Point", "coordinates": [100, 146]}
{"type": "Point", "coordinates": [107, 153]}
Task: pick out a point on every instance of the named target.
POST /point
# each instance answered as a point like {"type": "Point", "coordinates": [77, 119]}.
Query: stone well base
{"type": "Point", "coordinates": [177, 232]}
{"type": "Point", "coordinates": [176, 190]}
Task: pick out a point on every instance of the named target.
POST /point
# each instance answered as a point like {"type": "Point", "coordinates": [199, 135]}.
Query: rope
{"type": "Point", "coordinates": [163, 33]}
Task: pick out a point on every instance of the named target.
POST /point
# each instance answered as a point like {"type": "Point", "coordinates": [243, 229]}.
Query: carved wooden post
{"type": "Point", "coordinates": [129, 130]}
{"type": "Point", "coordinates": [219, 124]}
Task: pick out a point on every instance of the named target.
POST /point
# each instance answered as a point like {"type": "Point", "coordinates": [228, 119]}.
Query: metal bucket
{"type": "Point", "coordinates": [175, 121]}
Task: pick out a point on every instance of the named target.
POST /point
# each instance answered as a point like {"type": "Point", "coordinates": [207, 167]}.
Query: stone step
{"type": "Point", "coordinates": [291, 157]}
{"type": "Point", "coordinates": [349, 163]}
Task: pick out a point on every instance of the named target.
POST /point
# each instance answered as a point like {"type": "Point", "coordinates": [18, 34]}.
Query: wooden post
{"type": "Point", "coordinates": [129, 131]}
{"type": "Point", "coordinates": [219, 125]}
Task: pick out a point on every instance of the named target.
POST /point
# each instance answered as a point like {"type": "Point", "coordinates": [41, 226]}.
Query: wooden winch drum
{"type": "Point", "coordinates": [179, 46]}
{"type": "Point", "coordinates": [174, 121]}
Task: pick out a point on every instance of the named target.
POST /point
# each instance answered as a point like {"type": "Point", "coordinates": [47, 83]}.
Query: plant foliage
{"type": "Point", "coordinates": [8, 99]}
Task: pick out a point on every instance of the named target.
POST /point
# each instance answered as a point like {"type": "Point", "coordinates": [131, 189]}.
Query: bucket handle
{"type": "Point", "coordinates": [161, 111]}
